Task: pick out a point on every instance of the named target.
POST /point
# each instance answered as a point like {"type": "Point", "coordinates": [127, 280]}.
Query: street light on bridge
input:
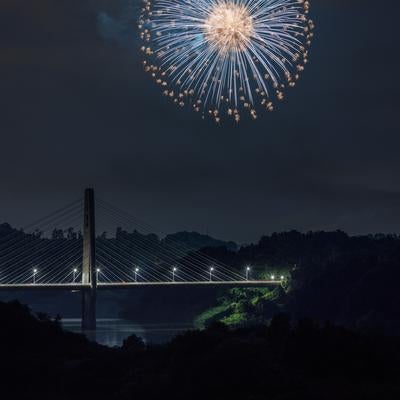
{"type": "Point", "coordinates": [211, 271]}
{"type": "Point", "coordinates": [247, 272]}
{"type": "Point", "coordinates": [136, 273]}
{"type": "Point", "coordinates": [272, 277]}
{"type": "Point", "coordinates": [97, 274]}
{"type": "Point", "coordinates": [173, 273]}
{"type": "Point", "coordinates": [74, 271]}
{"type": "Point", "coordinates": [35, 271]}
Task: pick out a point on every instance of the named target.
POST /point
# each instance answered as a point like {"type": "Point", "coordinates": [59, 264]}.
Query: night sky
{"type": "Point", "coordinates": [77, 110]}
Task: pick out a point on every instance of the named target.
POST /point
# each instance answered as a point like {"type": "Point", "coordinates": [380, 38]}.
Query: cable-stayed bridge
{"type": "Point", "coordinates": [90, 245]}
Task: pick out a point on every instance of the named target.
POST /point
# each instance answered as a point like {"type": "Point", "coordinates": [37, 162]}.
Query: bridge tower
{"type": "Point", "coordinates": [89, 264]}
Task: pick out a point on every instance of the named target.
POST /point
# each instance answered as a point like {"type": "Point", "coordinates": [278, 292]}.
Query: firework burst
{"type": "Point", "coordinates": [226, 57]}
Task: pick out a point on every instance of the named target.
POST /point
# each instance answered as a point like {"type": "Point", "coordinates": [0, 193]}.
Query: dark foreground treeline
{"type": "Point", "coordinates": [280, 361]}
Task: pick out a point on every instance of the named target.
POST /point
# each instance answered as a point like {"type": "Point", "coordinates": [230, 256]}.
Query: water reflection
{"type": "Point", "coordinates": [111, 332]}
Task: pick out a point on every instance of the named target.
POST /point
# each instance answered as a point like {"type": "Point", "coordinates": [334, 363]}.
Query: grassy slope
{"type": "Point", "coordinates": [239, 306]}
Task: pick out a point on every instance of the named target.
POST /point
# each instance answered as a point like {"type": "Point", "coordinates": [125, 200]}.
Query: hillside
{"type": "Point", "coordinates": [197, 241]}
{"type": "Point", "coordinates": [351, 281]}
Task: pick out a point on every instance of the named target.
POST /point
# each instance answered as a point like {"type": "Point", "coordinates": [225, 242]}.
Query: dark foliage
{"type": "Point", "coordinates": [280, 361]}
{"type": "Point", "coordinates": [350, 280]}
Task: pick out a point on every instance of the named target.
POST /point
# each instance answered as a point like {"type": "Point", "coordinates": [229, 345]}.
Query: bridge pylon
{"type": "Point", "coordinates": [89, 264]}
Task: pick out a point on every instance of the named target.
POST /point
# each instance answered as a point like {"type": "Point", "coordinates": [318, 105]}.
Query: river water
{"type": "Point", "coordinates": [111, 332]}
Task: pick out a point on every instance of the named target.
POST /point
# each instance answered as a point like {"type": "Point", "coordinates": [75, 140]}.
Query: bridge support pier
{"type": "Point", "coordinates": [89, 264]}
{"type": "Point", "coordinates": [88, 310]}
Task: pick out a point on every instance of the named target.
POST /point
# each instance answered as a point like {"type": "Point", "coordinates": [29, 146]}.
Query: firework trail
{"type": "Point", "coordinates": [226, 57]}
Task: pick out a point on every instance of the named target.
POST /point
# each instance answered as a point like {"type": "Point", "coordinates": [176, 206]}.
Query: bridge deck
{"type": "Point", "coordinates": [130, 285]}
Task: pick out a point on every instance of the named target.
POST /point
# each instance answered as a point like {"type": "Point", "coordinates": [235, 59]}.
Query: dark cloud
{"type": "Point", "coordinates": [77, 110]}
{"type": "Point", "coordinates": [118, 24]}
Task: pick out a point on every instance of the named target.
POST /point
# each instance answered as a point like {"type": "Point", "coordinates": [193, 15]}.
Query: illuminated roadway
{"type": "Point", "coordinates": [130, 285]}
